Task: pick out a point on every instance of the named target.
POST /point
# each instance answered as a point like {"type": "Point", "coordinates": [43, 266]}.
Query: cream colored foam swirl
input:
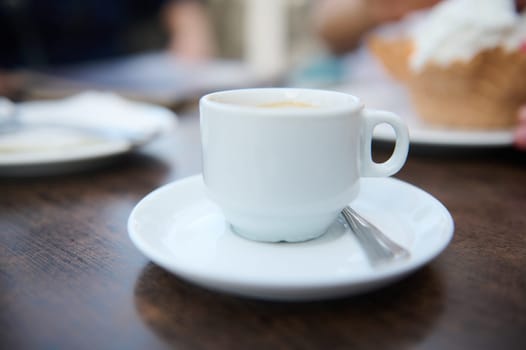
{"type": "Point", "coordinates": [456, 30]}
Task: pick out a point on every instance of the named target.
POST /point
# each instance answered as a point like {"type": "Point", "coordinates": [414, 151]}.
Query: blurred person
{"type": "Point", "coordinates": [342, 23]}
{"type": "Point", "coordinates": [520, 133]}
{"type": "Point", "coordinates": [40, 34]}
{"type": "Point", "coordinates": [190, 30]}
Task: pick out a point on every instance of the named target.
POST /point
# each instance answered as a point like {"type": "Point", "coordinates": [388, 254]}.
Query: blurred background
{"type": "Point", "coordinates": [163, 51]}
{"type": "Point", "coordinates": [171, 52]}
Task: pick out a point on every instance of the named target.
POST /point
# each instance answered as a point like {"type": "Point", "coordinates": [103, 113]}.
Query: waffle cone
{"type": "Point", "coordinates": [393, 54]}
{"type": "Point", "coordinates": [483, 93]}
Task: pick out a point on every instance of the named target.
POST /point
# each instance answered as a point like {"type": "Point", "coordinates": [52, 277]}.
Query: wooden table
{"type": "Point", "coordinates": [71, 279]}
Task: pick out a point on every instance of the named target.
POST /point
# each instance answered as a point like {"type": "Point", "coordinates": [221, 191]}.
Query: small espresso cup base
{"type": "Point", "coordinates": [276, 237]}
{"type": "Point", "coordinates": [284, 229]}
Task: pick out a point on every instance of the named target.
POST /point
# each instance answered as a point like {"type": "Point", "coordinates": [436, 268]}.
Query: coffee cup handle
{"type": "Point", "coordinates": [372, 118]}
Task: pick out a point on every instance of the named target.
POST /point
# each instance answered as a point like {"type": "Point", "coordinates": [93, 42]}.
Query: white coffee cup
{"type": "Point", "coordinates": [281, 171]}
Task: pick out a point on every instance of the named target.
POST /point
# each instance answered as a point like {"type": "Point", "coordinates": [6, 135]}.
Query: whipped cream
{"type": "Point", "coordinates": [456, 30]}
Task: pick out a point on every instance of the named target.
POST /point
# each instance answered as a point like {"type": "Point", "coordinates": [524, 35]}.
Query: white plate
{"type": "Point", "coordinates": [178, 228]}
{"type": "Point", "coordinates": [367, 80]}
{"type": "Point", "coordinates": [51, 149]}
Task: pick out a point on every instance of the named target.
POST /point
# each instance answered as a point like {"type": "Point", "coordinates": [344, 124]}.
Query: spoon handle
{"type": "Point", "coordinates": [379, 248]}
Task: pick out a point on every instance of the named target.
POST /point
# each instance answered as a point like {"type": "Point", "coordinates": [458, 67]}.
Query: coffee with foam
{"type": "Point", "coordinates": [287, 104]}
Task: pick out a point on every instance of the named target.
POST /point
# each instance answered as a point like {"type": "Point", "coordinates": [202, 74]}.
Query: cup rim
{"type": "Point", "coordinates": [354, 106]}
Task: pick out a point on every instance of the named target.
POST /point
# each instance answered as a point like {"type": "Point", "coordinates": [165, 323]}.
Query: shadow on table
{"type": "Point", "coordinates": [124, 182]}
{"type": "Point", "coordinates": [133, 162]}
{"type": "Point", "coordinates": [399, 316]}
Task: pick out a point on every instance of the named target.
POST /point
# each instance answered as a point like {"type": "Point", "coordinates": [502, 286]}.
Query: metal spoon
{"type": "Point", "coordinates": [9, 123]}
{"type": "Point", "coordinates": [379, 248]}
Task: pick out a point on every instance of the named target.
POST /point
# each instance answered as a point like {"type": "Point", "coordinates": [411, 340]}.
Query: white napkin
{"type": "Point", "coordinates": [105, 111]}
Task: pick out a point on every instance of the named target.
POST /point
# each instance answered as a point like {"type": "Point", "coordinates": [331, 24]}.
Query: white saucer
{"type": "Point", "coordinates": [54, 149]}
{"type": "Point", "coordinates": [178, 228]}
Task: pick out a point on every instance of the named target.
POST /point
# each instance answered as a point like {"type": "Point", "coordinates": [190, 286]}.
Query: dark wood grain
{"type": "Point", "coordinates": [71, 279]}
